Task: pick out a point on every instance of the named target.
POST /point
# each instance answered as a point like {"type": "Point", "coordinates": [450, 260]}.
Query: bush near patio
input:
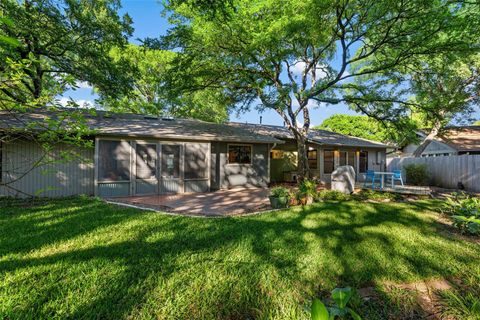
{"type": "Point", "coordinates": [416, 174]}
{"type": "Point", "coordinates": [83, 258]}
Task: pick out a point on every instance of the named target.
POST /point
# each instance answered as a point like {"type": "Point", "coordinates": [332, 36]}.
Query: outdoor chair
{"type": "Point", "coordinates": [371, 177]}
{"type": "Point", "coordinates": [397, 176]}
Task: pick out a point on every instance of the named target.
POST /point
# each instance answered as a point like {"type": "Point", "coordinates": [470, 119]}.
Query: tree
{"type": "Point", "coordinates": [476, 123]}
{"type": "Point", "coordinates": [148, 96]}
{"type": "Point", "coordinates": [364, 127]}
{"type": "Point", "coordinates": [445, 89]}
{"type": "Point", "coordinates": [294, 55]}
{"type": "Point", "coordinates": [46, 47]}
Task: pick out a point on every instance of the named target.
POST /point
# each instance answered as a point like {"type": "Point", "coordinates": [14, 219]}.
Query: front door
{"type": "Point", "coordinates": [146, 181]}
{"type": "Point", "coordinates": [170, 173]}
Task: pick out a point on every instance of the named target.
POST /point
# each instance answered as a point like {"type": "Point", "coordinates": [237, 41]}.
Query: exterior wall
{"type": "Point", "coordinates": [54, 177]}
{"type": "Point", "coordinates": [228, 175]}
{"type": "Point", "coordinates": [434, 148]}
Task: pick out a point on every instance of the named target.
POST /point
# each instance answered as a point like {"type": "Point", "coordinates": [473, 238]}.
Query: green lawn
{"type": "Point", "coordinates": [81, 258]}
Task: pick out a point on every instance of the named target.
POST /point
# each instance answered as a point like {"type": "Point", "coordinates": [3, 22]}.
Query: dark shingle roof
{"type": "Point", "coordinates": [322, 137]}
{"type": "Point", "coordinates": [132, 125]}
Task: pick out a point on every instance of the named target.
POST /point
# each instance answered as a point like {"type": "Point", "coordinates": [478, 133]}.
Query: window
{"type": "Point", "coordinates": [170, 161]}
{"type": "Point", "coordinates": [146, 161]}
{"type": "Point", "coordinates": [113, 160]}
{"type": "Point", "coordinates": [276, 154]}
{"type": "Point", "coordinates": [196, 165]}
{"type": "Point", "coordinates": [240, 154]}
{"type": "Point", "coordinates": [328, 161]}
{"type": "Point", "coordinates": [351, 160]}
{"type": "Point", "coordinates": [363, 161]}
{"type": "Point", "coordinates": [312, 159]}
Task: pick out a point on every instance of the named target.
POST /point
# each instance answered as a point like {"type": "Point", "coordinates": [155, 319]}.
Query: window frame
{"type": "Point", "coordinates": [311, 159]}
{"type": "Point", "coordinates": [157, 165]}
{"type": "Point", "coordinates": [366, 161]}
{"type": "Point", "coordinates": [239, 145]}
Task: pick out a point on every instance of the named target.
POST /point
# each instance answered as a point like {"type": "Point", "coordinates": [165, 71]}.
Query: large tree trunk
{"type": "Point", "coordinates": [302, 149]}
{"type": "Point", "coordinates": [431, 135]}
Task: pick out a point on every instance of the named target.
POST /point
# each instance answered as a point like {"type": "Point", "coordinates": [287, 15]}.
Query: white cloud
{"type": "Point", "coordinates": [69, 102]}
{"type": "Point", "coordinates": [83, 85]}
{"type": "Point", "coordinates": [298, 67]}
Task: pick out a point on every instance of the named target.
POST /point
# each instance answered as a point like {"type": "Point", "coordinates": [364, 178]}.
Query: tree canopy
{"type": "Point", "coordinates": [148, 95]}
{"type": "Point", "coordinates": [292, 56]}
{"type": "Point", "coordinates": [363, 127]}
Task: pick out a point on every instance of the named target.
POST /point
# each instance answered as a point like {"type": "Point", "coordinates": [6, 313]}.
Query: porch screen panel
{"type": "Point", "coordinates": [343, 158]}
{"type": "Point", "coordinates": [170, 161]}
{"type": "Point", "coordinates": [328, 161]}
{"type": "Point", "coordinates": [351, 160]}
{"type": "Point", "coordinates": [113, 160]}
{"type": "Point", "coordinates": [146, 161]}
{"type": "Point", "coordinates": [312, 159]}
{"type": "Point", "coordinates": [363, 161]}
{"type": "Point", "coordinates": [196, 163]}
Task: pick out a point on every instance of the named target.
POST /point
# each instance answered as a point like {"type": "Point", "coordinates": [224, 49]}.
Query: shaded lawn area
{"type": "Point", "coordinates": [82, 258]}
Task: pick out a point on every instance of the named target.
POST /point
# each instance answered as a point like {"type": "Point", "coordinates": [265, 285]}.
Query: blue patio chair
{"type": "Point", "coordinates": [371, 177]}
{"type": "Point", "coordinates": [396, 176]}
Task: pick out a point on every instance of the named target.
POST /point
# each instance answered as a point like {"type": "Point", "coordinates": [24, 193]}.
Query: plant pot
{"type": "Point", "coordinates": [306, 200]}
{"type": "Point", "coordinates": [278, 202]}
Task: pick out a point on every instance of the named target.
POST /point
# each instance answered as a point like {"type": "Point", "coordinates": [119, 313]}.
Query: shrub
{"type": "Point", "coordinates": [332, 195]}
{"type": "Point", "coordinates": [417, 174]}
{"type": "Point", "coordinates": [375, 195]}
{"type": "Point", "coordinates": [280, 192]}
{"type": "Point", "coordinates": [464, 211]}
{"type": "Point", "coordinates": [307, 188]}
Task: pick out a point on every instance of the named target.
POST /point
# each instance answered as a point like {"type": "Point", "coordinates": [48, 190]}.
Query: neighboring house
{"type": "Point", "coordinates": [141, 155]}
{"type": "Point", "coordinates": [452, 141]}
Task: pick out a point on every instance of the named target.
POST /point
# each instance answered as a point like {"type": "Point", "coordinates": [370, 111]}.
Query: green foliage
{"type": "Point", "coordinates": [476, 123]}
{"type": "Point", "coordinates": [366, 128]}
{"type": "Point", "coordinates": [149, 95]}
{"type": "Point", "coordinates": [336, 195]}
{"type": "Point", "coordinates": [280, 192]}
{"type": "Point", "coordinates": [341, 297]}
{"type": "Point", "coordinates": [464, 211]}
{"type": "Point", "coordinates": [370, 194]}
{"type": "Point", "coordinates": [416, 174]}
{"type": "Point", "coordinates": [307, 188]}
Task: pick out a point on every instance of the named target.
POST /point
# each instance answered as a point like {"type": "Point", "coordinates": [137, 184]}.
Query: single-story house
{"type": "Point", "coordinates": [453, 140]}
{"type": "Point", "coordinates": [144, 155]}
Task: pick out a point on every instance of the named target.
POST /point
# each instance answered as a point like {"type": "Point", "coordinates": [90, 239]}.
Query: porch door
{"type": "Point", "coordinates": [170, 173]}
{"type": "Point", "coordinates": [146, 181]}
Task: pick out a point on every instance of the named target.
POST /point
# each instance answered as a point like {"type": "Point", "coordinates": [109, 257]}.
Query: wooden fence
{"type": "Point", "coordinates": [446, 171]}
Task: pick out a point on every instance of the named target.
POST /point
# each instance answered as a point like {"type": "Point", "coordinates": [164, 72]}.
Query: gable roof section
{"type": "Point", "coordinates": [321, 137]}
{"type": "Point", "coordinates": [139, 126]}
{"type": "Point", "coordinates": [466, 138]}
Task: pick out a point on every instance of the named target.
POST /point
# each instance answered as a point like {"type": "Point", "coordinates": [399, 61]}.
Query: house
{"type": "Point", "coordinates": [454, 140]}
{"type": "Point", "coordinates": [144, 155]}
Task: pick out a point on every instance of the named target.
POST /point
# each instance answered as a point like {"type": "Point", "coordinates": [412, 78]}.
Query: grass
{"type": "Point", "coordinates": [82, 258]}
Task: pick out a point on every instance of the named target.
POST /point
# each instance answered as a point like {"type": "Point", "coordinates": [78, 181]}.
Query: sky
{"type": "Point", "coordinates": [149, 22]}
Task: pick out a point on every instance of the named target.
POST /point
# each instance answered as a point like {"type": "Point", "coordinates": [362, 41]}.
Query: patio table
{"type": "Point", "coordinates": [383, 174]}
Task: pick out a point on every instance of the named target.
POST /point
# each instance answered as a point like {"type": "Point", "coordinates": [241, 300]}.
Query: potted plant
{"type": "Point", "coordinates": [307, 190]}
{"type": "Point", "coordinates": [279, 197]}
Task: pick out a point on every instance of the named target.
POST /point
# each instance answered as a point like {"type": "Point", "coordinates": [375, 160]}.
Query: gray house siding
{"type": "Point", "coordinates": [226, 175]}
{"type": "Point", "coordinates": [54, 177]}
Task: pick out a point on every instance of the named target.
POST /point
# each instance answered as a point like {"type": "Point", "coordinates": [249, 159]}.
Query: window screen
{"type": "Point", "coordinates": [351, 159]}
{"type": "Point", "coordinates": [363, 161]}
{"type": "Point", "coordinates": [328, 161]}
{"type": "Point", "coordinates": [240, 154]}
{"type": "Point", "coordinates": [343, 158]}
{"type": "Point", "coordinates": [312, 159]}
{"type": "Point", "coordinates": [196, 164]}
{"type": "Point", "coordinates": [113, 160]}
{"type": "Point", "coordinates": [171, 161]}
{"type": "Point", "coordinates": [146, 161]}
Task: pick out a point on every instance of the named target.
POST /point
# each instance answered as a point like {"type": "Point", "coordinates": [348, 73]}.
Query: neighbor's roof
{"type": "Point", "coordinates": [464, 138]}
{"type": "Point", "coordinates": [132, 125]}
{"type": "Point", "coordinates": [322, 137]}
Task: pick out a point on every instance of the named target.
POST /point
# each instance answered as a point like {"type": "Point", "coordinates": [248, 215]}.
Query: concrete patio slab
{"type": "Point", "coordinates": [218, 203]}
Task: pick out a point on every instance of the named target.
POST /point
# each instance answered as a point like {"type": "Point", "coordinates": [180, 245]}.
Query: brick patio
{"type": "Point", "coordinates": [218, 203]}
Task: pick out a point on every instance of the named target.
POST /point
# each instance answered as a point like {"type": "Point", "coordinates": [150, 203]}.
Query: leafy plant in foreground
{"type": "Point", "coordinates": [340, 296]}
{"type": "Point", "coordinates": [464, 210]}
